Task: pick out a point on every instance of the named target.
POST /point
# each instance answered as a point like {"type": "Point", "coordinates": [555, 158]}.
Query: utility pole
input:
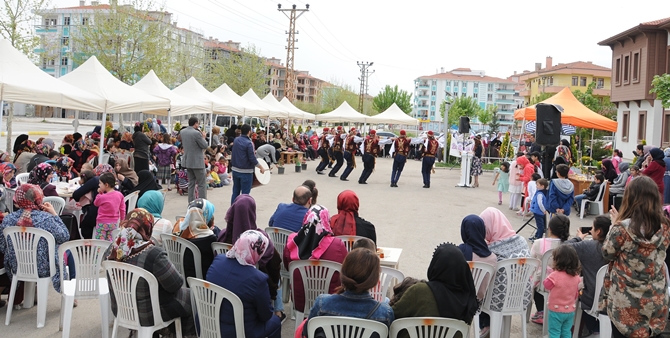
{"type": "Point", "coordinates": [365, 72]}
{"type": "Point", "coordinates": [293, 15]}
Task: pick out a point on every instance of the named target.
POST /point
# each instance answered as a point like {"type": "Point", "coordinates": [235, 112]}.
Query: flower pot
{"type": "Point", "coordinates": [280, 170]}
{"type": "Point", "coordinates": [298, 168]}
{"type": "Point", "coordinates": [304, 166]}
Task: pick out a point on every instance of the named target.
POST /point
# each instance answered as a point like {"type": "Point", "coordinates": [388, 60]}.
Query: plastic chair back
{"type": "Point", "coordinates": [547, 261]}
{"type": "Point", "coordinates": [221, 248]}
{"type": "Point", "coordinates": [88, 255]}
{"type": "Point", "coordinates": [22, 178]}
{"type": "Point", "coordinates": [349, 241]}
{"type": "Point", "coordinates": [316, 276]}
{"type": "Point", "coordinates": [345, 327]}
{"type": "Point", "coordinates": [429, 327]}
{"type": "Point", "coordinates": [387, 278]}
{"type": "Point", "coordinates": [519, 272]}
{"type": "Point", "coordinates": [57, 202]}
{"type": "Point", "coordinates": [131, 201]}
{"type": "Point", "coordinates": [482, 274]}
{"type": "Point", "coordinates": [25, 241]}
{"type": "Point", "coordinates": [207, 299]}
{"type": "Point", "coordinates": [9, 199]}
{"type": "Point", "coordinates": [176, 247]}
{"type": "Point", "coordinates": [75, 180]}
{"type": "Point", "coordinates": [601, 192]}
{"type": "Point", "coordinates": [278, 236]}
{"type": "Point", "coordinates": [115, 233]}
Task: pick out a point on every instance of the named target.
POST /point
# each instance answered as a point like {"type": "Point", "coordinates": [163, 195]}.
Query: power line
{"type": "Point", "coordinates": [289, 82]}
{"type": "Point", "coordinates": [324, 39]}
{"type": "Point", "coordinates": [269, 31]}
{"type": "Point", "coordinates": [261, 14]}
{"type": "Point", "coordinates": [365, 73]}
{"type": "Point", "coordinates": [247, 17]}
{"type": "Point", "coordinates": [336, 39]}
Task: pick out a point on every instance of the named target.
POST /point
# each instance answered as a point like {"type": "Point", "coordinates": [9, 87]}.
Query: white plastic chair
{"type": "Point", "coordinates": [316, 276]}
{"type": "Point", "coordinates": [482, 275]}
{"type": "Point", "coordinates": [57, 202]}
{"type": "Point", "coordinates": [349, 241]}
{"type": "Point", "coordinates": [115, 233]}
{"type": "Point", "coordinates": [105, 158]}
{"type": "Point", "coordinates": [279, 237]}
{"type": "Point", "coordinates": [123, 279]}
{"type": "Point", "coordinates": [598, 201]}
{"type": "Point", "coordinates": [9, 199]}
{"type": "Point", "coordinates": [22, 178]}
{"type": "Point", "coordinates": [131, 201]}
{"type": "Point", "coordinates": [547, 261]}
{"type": "Point", "coordinates": [518, 272]}
{"type": "Point", "coordinates": [428, 327]}
{"type": "Point", "coordinates": [25, 242]}
{"type": "Point", "coordinates": [221, 248]}
{"type": "Point", "coordinates": [387, 278]}
{"type": "Point", "coordinates": [88, 255]}
{"type": "Point", "coordinates": [345, 327]}
{"type": "Point", "coordinates": [176, 248]}
{"type": "Point", "coordinates": [75, 180]}
{"type": "Point", "coordinates": [603, 319]}
{"type": "Point", "coordinates": [206, 300]}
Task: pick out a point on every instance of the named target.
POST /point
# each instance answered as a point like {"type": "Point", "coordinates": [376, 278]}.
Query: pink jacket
{"type": "Point", "coordinates": [563, 291]}
{"type": "Point", "coordinates": [111, 208]}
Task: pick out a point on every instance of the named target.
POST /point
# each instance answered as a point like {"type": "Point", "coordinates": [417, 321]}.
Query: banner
{"type": "Point", "coordinates": [457, 145]}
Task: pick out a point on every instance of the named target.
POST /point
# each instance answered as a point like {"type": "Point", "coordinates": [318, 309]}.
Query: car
{"type": "Point", "coordinates": [386, 135]}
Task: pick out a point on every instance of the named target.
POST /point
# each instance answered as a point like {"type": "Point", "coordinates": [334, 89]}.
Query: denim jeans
{"type": "Point", "coordinates": [279, 303]}
{"type": "Point", "coordinates": [241, 184]}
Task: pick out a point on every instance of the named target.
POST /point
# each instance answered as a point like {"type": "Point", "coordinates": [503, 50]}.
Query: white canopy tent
{"type": "Point", "coordinates": [305, 115]}
{"type": "Point", "coordinates": [250, 109]}
{"type": "Point", "coordinates": [343, 113]}
{"type": "Point", "coordinates": [271, 101]}
{"type": "Point", "coordinates": [273, 112]}
{"type": "Point", "coordinates": [393, 115]}
{"type": "Point", "coordinates": [119, 97]}
{"type": "Point", "coordinates": [179, 105]}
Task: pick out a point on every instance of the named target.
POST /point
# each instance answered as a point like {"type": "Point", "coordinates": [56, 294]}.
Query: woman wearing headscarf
{"type": "Point", "coordinates": [608, 170]}
{"type": "Point", "coordinates": [666, 177]}
{"type": "Point", "coordinates": [26, 153]}
{"type": "Point", "coordinates": [8, 181]}
{"type": "Point", "coordinates": [196, 227]}
{"type": "Point", "coordinates": [66, 144]}
{"type": "Point", "coordinates": [141, 154]}
{"type": "Point", "coordinates": [126, 141]}
{"type": "Point", "coordinates": [42, 151]}
{"type": "Point", "coordinates": [134, 246]}
{"type": "Point", "coordinates": [230, 134]}
{"type": "Point", "coordinates": [314, 241]}
{"type": "Point", "coordinates": [146, 182]}
{"type": "Point", "coordinates": [235, 271]}
{"type": "Point", "coordinates": [504, 243]}
{"type": "Point", "coordinates": [347, 222]}
{"type": "Point", "coordinates": [449, 293]}
{"type": "Point", "coordinates": [18, 145]}
{"type": "Point", "coordinates": [64, 168]}
{"type": "Point", "coordinates": [655, 168]}
{"type": "Point", "coordinates": [153, 202]}
{"type": "Point", "coordinates": [79, 154]}
{"type": "Point", "coordinates": [559, 160]}
{"type": "Point", "coordinates": [474, 247]}
{"type": "Point", "coordinates": [41, 176]}
{"type": "Point", "coordinates": [127, 177]}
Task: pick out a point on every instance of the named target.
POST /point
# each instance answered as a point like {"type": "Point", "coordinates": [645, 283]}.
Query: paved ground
{"type": "Point", "coordinates": [407, 217]}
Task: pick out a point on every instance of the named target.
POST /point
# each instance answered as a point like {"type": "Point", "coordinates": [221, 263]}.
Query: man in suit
{"type": "Point", "coordinates": [193, 141]}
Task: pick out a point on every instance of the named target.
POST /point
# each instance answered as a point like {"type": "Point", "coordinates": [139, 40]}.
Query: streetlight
{"type": "Point", "coordinates": [447, 106]}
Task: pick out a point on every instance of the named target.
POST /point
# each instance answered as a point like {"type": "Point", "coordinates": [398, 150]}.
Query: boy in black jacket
{"type": "Point", "coordinates": [591, 193]}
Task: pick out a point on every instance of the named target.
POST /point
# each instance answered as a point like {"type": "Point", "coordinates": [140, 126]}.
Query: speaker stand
{"type": "Point", "coordinates": [465, 168]}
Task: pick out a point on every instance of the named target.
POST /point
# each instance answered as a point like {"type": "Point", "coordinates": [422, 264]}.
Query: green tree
{"type": "Point", "coordinates": [600, 105]}
{"type": "Point", "coordinates": [540, 97]}
{"type": "Point", "coordinates": [241, 70]}
{"type": "Point", "coordinates": [485, 116]}
{"type": "Point", "coordinates": [390, 95]}
{"type": "Point", "coordinates": [494, 125]}
{"type": "Point", "coordinates": [661, 87]}
{"type": "Point", "coordinates": [332, 97]}
{"type": "Point", "coordinates": [461, 106]}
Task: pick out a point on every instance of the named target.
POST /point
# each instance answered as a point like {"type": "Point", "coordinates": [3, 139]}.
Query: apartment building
{"type": "Point", "coordinates": [553, 78]}
{"type": "Point", "coordinates": [308, 88]}
{"type": "Point", "coordinates": [431, 90]}
{"type": "Point", "coordinates": [638, 54]}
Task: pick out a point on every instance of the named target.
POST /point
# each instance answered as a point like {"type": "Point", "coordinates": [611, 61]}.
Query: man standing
{"type": "Point", "coordinates": [337, 152]}
{"type": "Point", "coordinates": [243, 162]}
{"type": "Point", "coordinates": [324, 145]}
{"type": "Point", "coordinates": [193, 141]}
{"type": "Point", "coordinates": [350, 146]}
{"type": "Point", "coordinates": [370, 150]}
{"type": "Point", "coordinates": [401, 147]}
{"type": "Point", "coordinates": [429, 158]}
{"type": "Point", "coordinates": [290, 216]}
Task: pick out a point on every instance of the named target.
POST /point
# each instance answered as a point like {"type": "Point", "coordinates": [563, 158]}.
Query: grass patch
{"type": "Point", "coordinates": [485, 166]}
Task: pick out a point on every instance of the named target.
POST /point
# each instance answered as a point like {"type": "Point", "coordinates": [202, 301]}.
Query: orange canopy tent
{"type": "Point", "coordinates": [574, 113]}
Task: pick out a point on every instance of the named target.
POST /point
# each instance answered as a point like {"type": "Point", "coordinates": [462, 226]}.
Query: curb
{"type": "Point", "coordinates": [35, 133]}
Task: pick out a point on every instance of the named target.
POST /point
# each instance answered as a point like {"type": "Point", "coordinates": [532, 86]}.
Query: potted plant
{"type": "Point", "coordinates": [304, 165]}
{"type": "Point", "coordinates": [280, 167]}
{"type": "Point", "coordinates": [298, 167]}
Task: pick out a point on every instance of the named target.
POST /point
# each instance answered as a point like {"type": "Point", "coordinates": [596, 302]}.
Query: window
{"type": "Point", "coordinates": [636, 67]}
{"type": "Point", "coordinates": [601, 83]}
{"type": "Point", "coordinates": [665, 135]}
{"type": "Point", "coordinates": [575, 81]}
{"type": "Point", "coordinates": [642, 126]}
{"type": "Point", "coordinates": [434, 82]}
{"type": "Point", "coordinates": [489, 97]}
{"type": "Point", "coordinates": [626, 69]}
{"type": "Point", "coordinates": [490, 87]}
{"type": "Point", "coordinates": [625, 125]}
{"type": "Point", "coordinates": [617, 71]}
{"type": "Point", "coordinates": [551, 81]}
{"type": "Point", "coordinates": [582, 81]}
{"type": "Point", "coordinates": [50, 22]}
{"type": "Point", "coordinates": [63, 61]}
{"type": "Point", "coordinates": [84, 21]}
{"type": "Point", "coordinates": [475, 95]}
{"type": "Point", "coordinates": [66, 21]}
{"type": "Point", "coordinates": [475, 85]}
{"type": "Point", "coordinates": [65, 41]}
{"type": "Point", "coordinates": [433, 93]}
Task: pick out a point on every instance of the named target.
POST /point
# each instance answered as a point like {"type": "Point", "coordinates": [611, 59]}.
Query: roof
{"type": "Point", "coordinates": [102, 6]}
{"type": "Point", "coordinates": [219, 45]}
{"type": "Point", "coordinates": [577, 65]}
{"type": "Point", "coordinates": [452, 76]}
{"type": "Point", "coordinates": [655, 24]}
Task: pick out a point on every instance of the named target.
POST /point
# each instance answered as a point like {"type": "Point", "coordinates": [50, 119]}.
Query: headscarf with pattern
{"type": "Point", "coordinates": [28, 197]}
{"type": "Point", "coordinates": [4, 157]}
{"type": "Point", "coordinates": [497, 225]}
{"type": "Point", "coordinates": [104, 168]}
{"type": "Point", "coordinates": [63, 166]}
{"type": "Point", "coordinates": [135, 235]}
{"type": "Point", "coordinates": [45, 147]}
{"type": "Point", "coordinates": [249, 248]}
{"type": "Point", "coordinates": [197, 220]}
{"type": "Point", "coordinates": [79, 145]}
{"type": "Point", "coordinates": [314, 237]}
{"type": "Point", "coordinates": [38, 176]}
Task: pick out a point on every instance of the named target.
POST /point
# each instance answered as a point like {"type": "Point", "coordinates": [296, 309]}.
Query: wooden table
{"type": "Point", "coordinates": [581, 185]}
{"type": "Point", "coordinates": [290, 156]}
{"type": "Point", "coordinates": [391, 257]}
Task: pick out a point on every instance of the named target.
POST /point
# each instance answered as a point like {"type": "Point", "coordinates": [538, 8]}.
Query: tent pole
{"type": "Point", "coordinates": [591, 151]}
{"type": "Point", "coordinates": [2, 112]}
{"type": "Point", "coordinates": [169, 122]}
{"type": "Point", "coordinates": [211, 125]}
{"type": "Point", "coordinates": [102, 138]}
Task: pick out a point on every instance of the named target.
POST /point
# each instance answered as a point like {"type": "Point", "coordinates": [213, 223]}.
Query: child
{"type": "Point", "coordinates": [536, 162]}
{"type": "Point", "coordinates": [165, 152]}
{"type": "Point", "coordinates": [591, 193]}
{"type": "Point", "coordinates": [223, 171]}
{"type": "Point", "coordinates": [532, 188]}
{"type": "Point", "coordinates": [634, 172]}
{"type": "Point", "coordinates": [526, 170]}
{"type": "Point", "coordinates": [515, 186]}
{"type": "Point", "coordinates": [561, 192]}
{"type": "Point", "coordinates": [111, 207]}
{"type": "Point", "coordinates": [503, 184]}
{"type": "Point", "coordinates": [538, 209]}
{"type": "Point", "coordinates": [563, 287]}
{"type": "Point", "coordinates": [181, 178]}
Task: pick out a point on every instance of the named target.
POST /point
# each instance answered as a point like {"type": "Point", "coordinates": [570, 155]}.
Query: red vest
{"type": "Point", "coordinates": [431, 149]}
{"type": "Point", "coordinates": [402, 146]}
{"type": "Point", "coordinates": [371, 146]}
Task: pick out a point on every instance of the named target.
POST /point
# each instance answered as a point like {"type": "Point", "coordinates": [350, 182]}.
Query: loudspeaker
{"type": "Point", "coordinates": [464, 125]}
{"type": "Point", "coordinates": [548, 124]}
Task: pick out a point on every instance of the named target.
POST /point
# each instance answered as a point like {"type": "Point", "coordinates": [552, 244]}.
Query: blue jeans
{"type": "Point", "coordinates": [398, 165]}
{"type": "Point", "coordinates": [540, 223]}
{"type": "Point", "coordinates": [279, 303]}
{"type": "Point", "coordinates": [578, 200]}
{"type": "Point", "coordinates": [241, 184]}
{"type": "Point", "coordinates": [559, 323]}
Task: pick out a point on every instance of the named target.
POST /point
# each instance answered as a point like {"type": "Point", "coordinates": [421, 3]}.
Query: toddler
{"type": "Point", "coordinates": [502, 176]}
{"type": "Point", "coordinates": [563, 287]}
{"type": "Point", "coordinates": [538, 209]}
{"type": "Point", "coordinates": [515, 186]}
{"type": "Point", "coordinates": [111, 207]}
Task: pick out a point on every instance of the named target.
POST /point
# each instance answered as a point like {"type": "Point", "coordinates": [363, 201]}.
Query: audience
{"type": "Point", "coordinates": [620, 182]}
{"type": "Point", "coordinates": [563, 287]}
{"type": "Point", "coordinates": [23, 157]}
{"type": "Point", "coordinates": [347, 222]}
{"type": "Point", "coordinates": [290, 216]}
{"type": "Point", "coordinates": [146, 183]}
{"type": "Point", "coordinates": [561, 192]}
{"type": "Point", "coordinates": [312, 188]}
{"type": "Point", "coordinates": [43, 153]}
{"type": "Point", "coordinates": [654, 168]}
{"type": "Point", "coordinates": [141, 153]}
{"type": "Point", "coordinates": [85, 195]}
{"type": "Point", "coordinates": [153, 202]}
{"type": "Point", "coordinates": [196, 227]}
{"type": "Point", "coordinates": [608, 170]}
{"type": "Point", "coordinates": [111, 207]}
{"type": "Point", "coordinates": [41, 176]}
{"type": "Point", "coordinates": [591, 193]}
{"type": "Point", "coordinates": [127, 177]}
{"type": "Point", "coordinates": [474, 247]}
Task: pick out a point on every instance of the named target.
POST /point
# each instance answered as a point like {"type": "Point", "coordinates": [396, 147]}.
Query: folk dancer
{"type": "Point", "coordinates": [399, 151]}
{"type": "Point", "coordinates": [351, 143]}
{"type": "Point", "coordinates": [331, 138]}
{"type": "Point", "coordinates": [370, 150]}
{"type": "Point", "coordinates": [431, 147]}
{"type": "Point", "coordinates": [337, 148]}
{"type": "Point", "coordinates": [324, 146]}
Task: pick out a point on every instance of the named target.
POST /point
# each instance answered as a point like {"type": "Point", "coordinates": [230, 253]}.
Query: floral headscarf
{"type": "Point", "coordinates": [6, 168]}
{"type": "Point", "coordinates": [28, 197]}
{"type": "Point", "coordinates": [104, 168]}
{"type": "Point", "coordinates": [79, 145]}
{"type": "Point", "coordinates": [135, 235]}
{"type": "Point", "coordinates": [249, 248]}
{"type": "Point", "coordinates": [4, 157]}
{"type": "Point", "coordinates": [45, 147]}
{"type": "Point", "coordinates": [314, 237]}
{"type": "Point", "coordinates": [63, 167]}
{"type": "Point", "coordinates": [196, 223]}
{"type": "Point", "coordinates": [38, 176]}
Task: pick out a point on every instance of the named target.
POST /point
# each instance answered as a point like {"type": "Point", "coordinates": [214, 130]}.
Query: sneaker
{"type": "Point", "coordinates": [532, 239]}
{"type": "Point", "coordinates": [483, 333]}
{"type": "Point", "coordinates": [283, 317]}
{"type": "Point", "coordinates": [538, 314]}
{"type": "Point", "coordinates": [538, 318]}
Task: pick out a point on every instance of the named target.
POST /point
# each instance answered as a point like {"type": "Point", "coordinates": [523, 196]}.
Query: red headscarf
{"type": "Point", "coordinates": [344, 223]}
{"type": "Point", "coordinates": [28, 197]}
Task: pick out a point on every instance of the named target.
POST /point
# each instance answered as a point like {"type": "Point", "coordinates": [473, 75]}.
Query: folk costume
{"type": "Point", "coordinates": [428, 159]}
{"type": "Point", "coordinates": [337, 151]}
{"type": "Point", "coordinates": [370, 151]}
{"type": "Point", "coordinates": [350, 147]}
{"type": "Point", "coordinates": [324, 146]}
{"type": "Point", "coordinates": [401, 149]}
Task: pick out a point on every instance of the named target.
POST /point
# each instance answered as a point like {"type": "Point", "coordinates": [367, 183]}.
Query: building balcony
{"type": "Point", "coordinates": [504, 101]}
{"type": "Point", "coordinates": [423, 85]}
{"type": "Point", "coordinates": [422, 96]}
{"type": "Point", "coordinates": [505, 112]}
{"type": "Point", "coordinates": [506, 122]}
{"type": "Point", "coordinates": [42, 29]}
{"type": "Point", "coordinates": [425, 106]}
{"type": "Point", "coordinates": [524, 93]}
{"type": "Point", "coordinates": [505, 91]}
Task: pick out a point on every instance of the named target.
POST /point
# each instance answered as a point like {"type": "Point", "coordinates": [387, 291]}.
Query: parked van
{"type": "Point", "coordinates": [227, 121]}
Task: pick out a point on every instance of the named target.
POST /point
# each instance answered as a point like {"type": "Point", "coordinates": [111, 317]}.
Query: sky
{"type": "Point", "coordinates": [408, 39]}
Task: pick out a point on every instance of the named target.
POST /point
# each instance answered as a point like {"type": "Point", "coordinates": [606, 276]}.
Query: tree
{"type": "Point", "coordinates": [390, 95]}
{"type": "Point", "coordinates": [540, 97]}
{"type": "Point", "coordinates": [332, 97]}
{"type": "Point", "coordinates": [661, 87]}
{"type": "Point", "coordinates": [485, 116]}
{"type": "Point", "coordinates": [461, 106]}
{"type": "Point", "coordinates": [494, 126]}
{"type": "Point", "coordinates": [241, 70]}
{"type": "Point", "coordinates": [600, 105]}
